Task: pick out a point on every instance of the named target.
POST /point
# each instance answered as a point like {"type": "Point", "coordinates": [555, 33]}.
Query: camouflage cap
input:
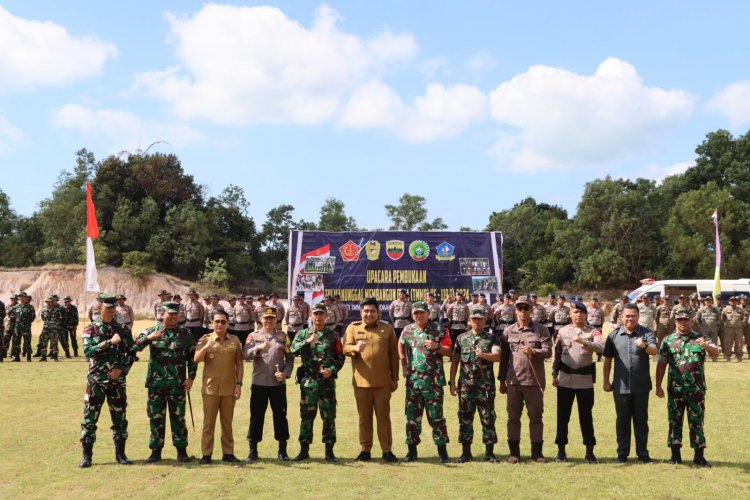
{"type": "Point", "coordinates": [55, 296]}
{"type": "Point", "coordinates": [14, 296]}
{"type": "Point", "coordinates": [319, 308]}
{"type": "Point", "coordinates": [270, 312]}
{"type": "Point", "coordinates": [67, 298]}
{"type": "Point", "coordinates": [419, 305]}
{"type": "Point", "coordinates": [477, 313]}
{"type": "Point", "coordinates": [171, 307]}
{"type": "Point", "coordinates": [49, 299]}
{"type": "Point", "coordinates": [24, 294]}
{"type": "Point", "coordinates": [681, 313]}
{"type": "Point", "coordinates": [163, 293]}
{"type": "Point", "coordinates": [107, 300]}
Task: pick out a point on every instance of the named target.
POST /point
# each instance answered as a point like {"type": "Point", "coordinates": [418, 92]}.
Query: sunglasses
{"type": "Point", "coordinates": [523, 307]}
{"type": "Point", "coordinates": [220, 321]}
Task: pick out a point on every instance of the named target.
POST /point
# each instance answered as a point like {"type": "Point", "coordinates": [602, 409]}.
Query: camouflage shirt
{"type": "Point", "coordinates": [686, 359]}
{"type": "Point", "coordinates": [54, 317]}
{"type": "Point", "coordinates": [170, 356]}
{"type": "Point", "coordinates": [103, 356]}
{"type": "Point", "coordinates": [71, 316]}
{"type": "Point", "coordinates": [474, 371]}
{"type": "Point", "coordinates": [424, 367]}
{"type": "Point", "coordinates": [25, 314]}
{"type": "Point", "coordinates": [327, 352]}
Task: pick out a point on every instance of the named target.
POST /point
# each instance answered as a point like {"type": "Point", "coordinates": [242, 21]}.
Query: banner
{"type": "Point", "coordinates": [356, 265]}
{"type": "Point", "coordinates": [92, 232]}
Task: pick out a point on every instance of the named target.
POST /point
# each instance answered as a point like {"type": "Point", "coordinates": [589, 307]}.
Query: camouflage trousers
{"type": "Point", "coordinates": [419, 400]}
{"type": "Point", "coordinates": [117, 400]}
{"type": "Point", "coordinates": [159, 399]}
{"type": "Point", "coordinates": [3, 350]}
{"type": "Point", "coordinates": [51, 336]}
{"type": "Point", "coordinates": [732, 338]}
{"type": "Point", "coordinates": [19, 336]}
{"type": "Point", "coordinates": [312, 398]}
{"type": "Point", "coordinates": [661, 332]}
{"type": "Point", "coordinates": [711, 331]}
{"type": "Point", "coordinates": [7, 338]}
{"type": "Point", "coordinates": [695, 403]}
{"type": "Point", "coordinates": [471, 400]}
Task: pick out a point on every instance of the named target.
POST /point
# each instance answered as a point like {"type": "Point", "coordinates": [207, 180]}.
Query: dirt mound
{"type": "Point", "coordinates": [68, 280]}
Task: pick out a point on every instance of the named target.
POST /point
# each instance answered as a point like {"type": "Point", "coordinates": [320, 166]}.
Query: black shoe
{"type": "Point", "coordinates": [304, 452]}
{"type": "Point", "coordinates": [645, 459]}
{"type": "Point", "coordinates": [699, 460]}
{"type": "Point", "coordinates": [28, 357]}
{"type": "Point", "coordinates": [55, 358]}
{"type": "Point", "coordinates": [561, 455]}
{"type": "Point", "coordinates": [443, 454]}
{"type": "Point", "coordinates": [389, 457]}
{"type": "Point", "coordinates": [536, 452]}
{"type": "Point", "coordinates": [676, 455]}
{"type": "Point", "coordinates": [364, 456]}
{"type": "Point", "coordinates": [228, 457]}
{"type": "Point", "coordinates": [16, 359]}
{"type": "Point", "coordinates": [621, 459]}
{"type": "Point", "coordinates": [489, 453]}
{"type": "Point", "coordinates": [182, 455]}
{"type": "Point", "coordinates": [67, 355]}
{"type": "Point", "coordinates": [75, 353]}
{"type": "Point", "coordinates": [282, 452]}
{"type": "Point", "coordinates": [205, 460]}
{"type": "Point", "coordinates": [330, 457]}
{"type": "Point", "coordinates": [590, 457]}
{"type": "Point", "coordinates": [465, 454]}
{"type": "Point", "coordinates": [411, 455]}
{"type": "Point", "coordinates": [88, 452]}
{"type": "Point", "coordinates": [252, 455]}
{"type": "Point", "coordinates": [43, 358]}
{"type": "Point", "coordinates": [37, 354]}
{"type": "Point", "coordinates": [120, 456]}
{"type": "Point", "coordinates": [155, 456]}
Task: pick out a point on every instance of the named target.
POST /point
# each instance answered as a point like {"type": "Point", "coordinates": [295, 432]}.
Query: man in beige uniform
{"type": "Point", "coordinates": [222, 385]}
{"type": "Point", "coordinates": [663, 319]}
{"type": "Point", "coordinates": [296, 319]}
{"type": "Point", "coordinates": [400, 312]}
{"type": "Point", "coordinates": [194, 315]}
{"type": "Point", "coordinates": [732, 318]}
{"type": "Point", "coordinates": [242, 318]}
{"type": "Point", "coordinates": [373, 347]}
{"type": "Point", "coordinates": [124, 313]}
{"type": "Point", "coordinates": [158, 309]}
{"type": "Point", "coordinates": [647, 313]}
{"type": "Point", "coordinates": [280, 312]}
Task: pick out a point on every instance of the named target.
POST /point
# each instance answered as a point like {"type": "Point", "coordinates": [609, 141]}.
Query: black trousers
{"type": "Point", "coordinates": [632, 408]}
{"type": "Point", "coordinates": [585, 399]}
{"type": "Point", "coordinates": [197, 331]}
{"type": "Point", "coordinates": [260, 396]}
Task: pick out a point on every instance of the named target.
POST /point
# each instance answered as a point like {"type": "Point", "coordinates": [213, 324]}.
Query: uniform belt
{"type": "Point", "coordinates": [402, 317]}
{"type": "Point", "coordinates": [296, 324]}
{"type": "Point", "coordinates": [243, 322]}
{"type": "Point", "coordinates": [596, 326]}
{"type": "Point", "coordinates": [586, 370]}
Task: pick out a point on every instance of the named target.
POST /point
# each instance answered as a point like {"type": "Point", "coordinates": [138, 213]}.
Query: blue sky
{"type": "Point", "coordinates": [473, 105]}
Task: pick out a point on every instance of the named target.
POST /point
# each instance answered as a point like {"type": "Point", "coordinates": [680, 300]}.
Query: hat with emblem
{"type": "Point", "coordinates": [681, 313]}
{"type": "Point", "coordinates": [67, 298]}
{"type": "Point", "coordinates": [577, 304]}
{"type": "Point", "coordinates": [477, 313]}
{"type": "Point", "coordinates": [733, 297]}
{"type": "Point", "coordinates": [319, 307]}
{"type": "Point", "coordinates": [107, 300]}
{"type": "Point", "coordinates": [269, 312]}
{"type": "Point", "coordinates": [23, 294]}
{"type": "Point", "coordinates": [523, 299]}
{"type": "Point", "coordinates": [419, 305]}
{"type": "Point", "coordinates": [171, 307]}
{"type": "Point", "coordinates": [262, 297]}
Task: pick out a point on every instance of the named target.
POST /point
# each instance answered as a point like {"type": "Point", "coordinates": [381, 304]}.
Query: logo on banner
{"type": "Point", "coordinates": [419, 250]}
{"type": "Point", "coordinates": [350, 251]}
{"type": "Point", "coordinates": [445, 251]}
{"type": "Point", "coordinates": [373, 250]}
{"type": "Point", "coordinates": [394, 249]}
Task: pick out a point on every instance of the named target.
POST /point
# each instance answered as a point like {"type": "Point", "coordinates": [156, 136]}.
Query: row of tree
{"type": "Point", "coordinates": [154, 216]}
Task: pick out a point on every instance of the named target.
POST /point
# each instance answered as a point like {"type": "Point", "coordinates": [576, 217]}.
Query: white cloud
{"type": "Point", "coordinates": [441, 112]}
{"type": "Point", "coordinates": [10, 136]}
{"type": "Point", "coordinates": [660, 172]}
{"type": "Point", "coordinates": [243, 65]}
{"type": "Point", "coordinates": [733, 103]}
{"type": "Point", "coordinates": [480, 62]}
{"type": "Point", "coordinates": [122, 130]}
{"type": "Point", "coordinates": [433, 67]}
{"type": "Point", "coordinates": [44, 53]}
{"type": "Point", "coordinates": [565, 119]}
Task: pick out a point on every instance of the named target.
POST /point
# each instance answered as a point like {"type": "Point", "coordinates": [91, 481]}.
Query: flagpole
{"type": "Point", "coordinates": [717, 272]}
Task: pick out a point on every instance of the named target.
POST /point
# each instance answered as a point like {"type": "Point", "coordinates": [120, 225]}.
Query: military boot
{"type": "Point", "coordinates": [514, 446]}
{"type": "Point", "coordinates": [330, 457]}
{"type": "Point", "coordinates": [75, 352]}
{"type": "Point", "coordinates": [16, 359]}
{"type": "Point", "coordinates": [155, 456]}
{"type": "Point", "coordinates": [182, 455]}
{"type": "Point", "coordinates": [120, 456]}
{"type": "Point", "coordinates": [676, 455]}
{"type": "Point", "coordinates": [28, 356]}
{"type": "Point", "coordinates": [536, 452]}
{"type": "Point", "coordinates": [43, 358]}
{"type": "Point", "coordinates": [590, 457]}
{"type": "Point", "coordinates": [67, 354]}
{"type": "Point", "coordinates": [699, 459]}
{"type": "Point", "coordinates": [282, 451]}
{"type": "Point", "coordinates": [411, 455]}
{"type": "Point", "coordinates": [88, 453]}
{"type": "Point", "coordinates": [443, 454]}
{"type": "Point", "coordinates": [37, 354]}
{"type": "Point", "coordinates": [561, 455]}
{"type": "Point", "coordinates": [489, 453]}
{"type": "Point", "coordinates": [54, 357]}
{"type": "Point", "coordinates": [304, 452]}
{"type": "Point", "coordinates": [252, 455]}
{"type": "Point", "coordinates": [465, 454]}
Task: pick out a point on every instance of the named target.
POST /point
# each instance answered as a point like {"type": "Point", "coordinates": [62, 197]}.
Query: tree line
{"type": "Point", "coordinates": [154, 217]}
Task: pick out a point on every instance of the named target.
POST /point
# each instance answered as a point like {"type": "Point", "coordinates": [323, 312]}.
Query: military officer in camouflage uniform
{"type": "Point", "coordinates": [2, 331]}
{"type": "Point", "coordinates": [400, 312]}
{"type": "Point", "coordinates": [11, 324]}
{"type": "Point", "coordinates": [733, 318]}
{"type": "Point", "coordinates": [24, 314]}
{"type": "Point", "coordinates": [685, 353]}
{"type": "Point", "coordinates": [171, 372]}
{"type": "Point", "coordinates": [44, 335]}
{"type": "Point", "coordinates": [663, 319]}
{"type": "Point", "coordinates": [296, 318]}
{"type": "Point", "coordinates": [421, 349]}
{"type": "Point", "coordinates": [71, 324]}
{"type": "Point", "coordinates": [457, 315]}
{"type": "Point", "coordinates": [617, 310]}
{"type": "Point", "coordinates": [708, 319]}
{"type": "Point", "coordinates": [474, 352]}
{"type": "Point", "coordinates": [108, 347]}
{"type": "Point", "coordinates": [56, 327]}
{"type": "Point", "coordinates": [322, 357]}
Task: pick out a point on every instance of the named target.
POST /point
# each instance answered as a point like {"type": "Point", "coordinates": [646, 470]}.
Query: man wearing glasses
{"type": "Point", "coordinates": [524, 346]}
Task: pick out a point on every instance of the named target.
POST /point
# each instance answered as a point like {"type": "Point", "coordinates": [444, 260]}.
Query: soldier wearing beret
{"type": "Point", "coordinates": [421, 349]}
{"type": "Point", "coordinates": [322, 357]}
{"type": "Point", "coordinates": [474, 352]}
{"type": "Point", "coordinates": [108, 347]}
{"type": "Point", "coordinates": [525, 346]}
{"type": "Point", "coordinates": [684, 352]}
{"type": "Point", "coordinates": [574, 374]}
{"type": "Point", "coordinates": [171, 372]}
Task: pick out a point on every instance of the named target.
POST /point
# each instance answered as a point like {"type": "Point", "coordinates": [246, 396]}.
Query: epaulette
{"type": "Point", "coordinates": [357, 322]}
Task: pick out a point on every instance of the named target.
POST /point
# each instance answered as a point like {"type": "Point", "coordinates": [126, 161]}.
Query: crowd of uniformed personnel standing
{"type": "Point", "coordinates": [517, 332]}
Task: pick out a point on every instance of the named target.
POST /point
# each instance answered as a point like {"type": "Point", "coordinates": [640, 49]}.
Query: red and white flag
{"type": "Point", "coordinates": [92, 231]}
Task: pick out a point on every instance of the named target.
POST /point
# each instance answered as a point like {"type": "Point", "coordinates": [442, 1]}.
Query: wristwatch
{"type": "Point", "coordinates": [238, 383]}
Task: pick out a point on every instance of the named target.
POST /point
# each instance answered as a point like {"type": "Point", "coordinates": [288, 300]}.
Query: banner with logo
{"type": "Point", "coordinates": [356, 265]}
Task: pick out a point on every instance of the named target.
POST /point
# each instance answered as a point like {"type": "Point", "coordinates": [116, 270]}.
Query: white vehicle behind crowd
{"type": "Point", "coordinates": [704, 288]}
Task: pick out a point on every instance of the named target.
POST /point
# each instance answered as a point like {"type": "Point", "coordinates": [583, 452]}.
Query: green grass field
{"type": "Point", "coordinates": [41, 409]}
